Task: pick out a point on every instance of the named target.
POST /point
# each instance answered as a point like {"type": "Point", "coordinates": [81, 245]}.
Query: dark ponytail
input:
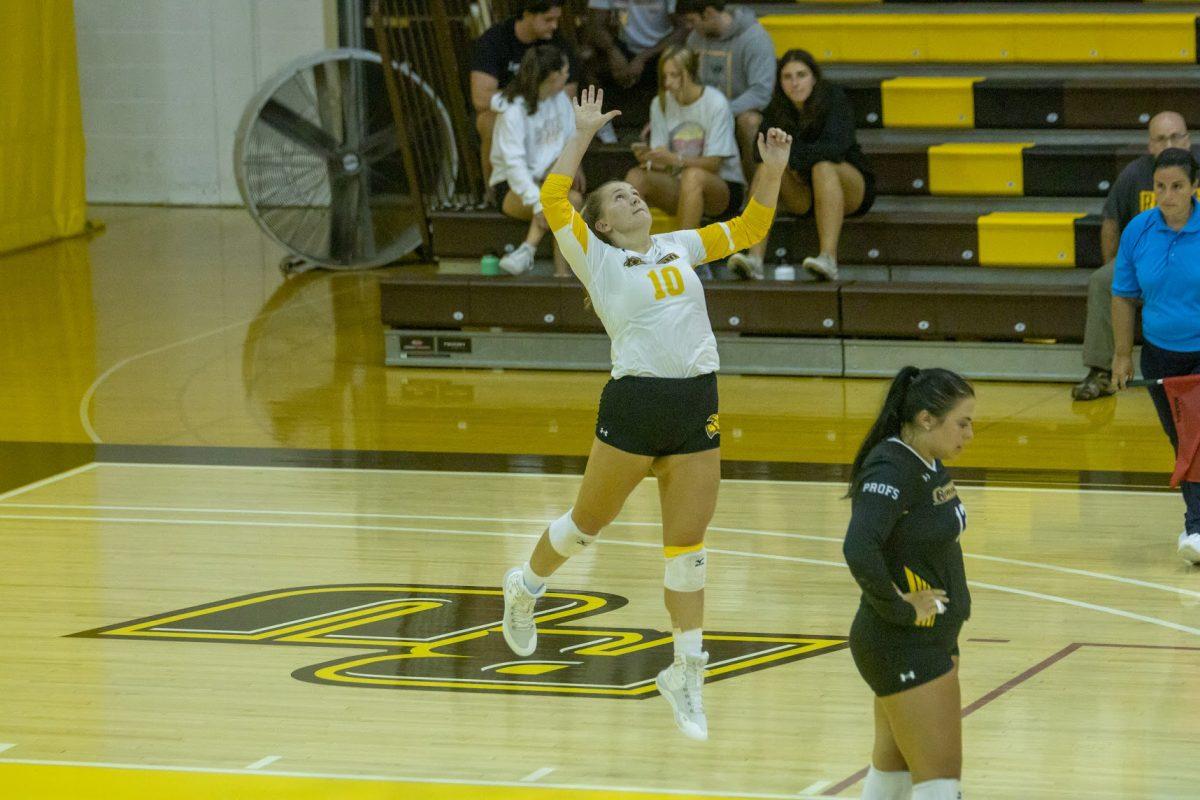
{"type": "Point", "coordinates": [912, 391]}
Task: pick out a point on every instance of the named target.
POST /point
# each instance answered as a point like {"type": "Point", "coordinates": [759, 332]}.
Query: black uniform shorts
{"type": "Point", "coordinates": [892, 658]}
{"type": "Point", "coordinates": [660, 416]}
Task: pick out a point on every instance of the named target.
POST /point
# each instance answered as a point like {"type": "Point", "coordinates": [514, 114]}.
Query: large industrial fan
{"type": "Point", "coordinates": [319, 165]}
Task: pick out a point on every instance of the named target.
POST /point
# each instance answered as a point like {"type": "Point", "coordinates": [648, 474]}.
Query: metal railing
{"type": "Point", "coordinates": [426, 46]}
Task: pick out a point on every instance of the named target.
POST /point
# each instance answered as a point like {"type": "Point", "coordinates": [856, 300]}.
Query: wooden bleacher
{"type": "Point", "coordinates": [995, 131]}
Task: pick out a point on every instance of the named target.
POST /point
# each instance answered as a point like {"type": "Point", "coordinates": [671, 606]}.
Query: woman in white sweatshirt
{"type": "Point", "coordinates": [536, 120]}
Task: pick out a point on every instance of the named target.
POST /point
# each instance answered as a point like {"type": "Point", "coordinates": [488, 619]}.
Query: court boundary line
{"type": "Point", "coordinates": [509, 534]}
{"type": "Point", "coordinates": [405, 779]}
{"type": "Point", "coordinates": [970, 484]}
{"type": "Point", "coordinates": [526, 520]}
{"type": "Point", "coordinates": [58, 476]}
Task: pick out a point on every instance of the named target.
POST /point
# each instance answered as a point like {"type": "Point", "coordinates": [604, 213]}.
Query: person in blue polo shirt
{"type": "Point", "coordinates": [1158, 263]}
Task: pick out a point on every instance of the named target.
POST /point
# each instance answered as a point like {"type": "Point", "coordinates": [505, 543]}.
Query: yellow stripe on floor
{"type": "Point", "coordinates": [977, 168]}
{"type": "Point", "coordinates": [42, 781]}
{"type": "Point", "coordinates": [921, 102]}
{"type": "Point", "coordinates": [975, 38]}
{"type": "Point", "coordinates": [1027, 239]}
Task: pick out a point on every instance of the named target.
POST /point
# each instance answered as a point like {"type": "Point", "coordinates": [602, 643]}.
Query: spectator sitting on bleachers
{"type": "Point", "coordinates": [620, 44]}
{"type": "Point", "coordinates": [691, 166]}
{"type": "Point", "coordinates": [828, 175]}
{"type": "Point", "coordinates": [497, 56]}
{"type": "Point", "coordinates": [1130, 195]}
{"type": "Point", "coordinates": [536, 120]}
{"type": "Point", "coordinates": [737, 57]}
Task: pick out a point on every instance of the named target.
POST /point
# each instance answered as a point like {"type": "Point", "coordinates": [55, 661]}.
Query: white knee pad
{"type": "Point", "coordinates": [940, 789]}
{"type": "Point", "coordinates": [882, 785]}
{"type": "Point", "coordinates": [685, 571]}
{"type": "Point", "coordinates": [566, 538]}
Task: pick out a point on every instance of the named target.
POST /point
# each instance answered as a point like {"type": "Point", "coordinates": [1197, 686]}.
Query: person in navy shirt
{"type": "Point", "coordinates": [902, 549]}
{"type": "Point", "coordinates": [1158, 263]}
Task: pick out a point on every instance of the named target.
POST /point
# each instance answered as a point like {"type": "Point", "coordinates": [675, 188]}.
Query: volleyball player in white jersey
{"type": "Point", "coordinates": [659, 412]}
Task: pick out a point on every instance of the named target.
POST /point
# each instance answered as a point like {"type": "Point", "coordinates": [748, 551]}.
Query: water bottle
{"type": "Point", "coordinates": [489, 264]}
{"type": "Point", "coordinates": [784, 271]}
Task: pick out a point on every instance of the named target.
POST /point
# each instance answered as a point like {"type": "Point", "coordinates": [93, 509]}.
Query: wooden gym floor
{"type": "Point", "coordinates": [200, 460]}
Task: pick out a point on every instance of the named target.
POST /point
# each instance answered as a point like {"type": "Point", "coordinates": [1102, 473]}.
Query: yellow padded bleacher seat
{"type": "Point", "coordinates": [921, 102]}
{"type": "Point", "coordinates": [988, 38]}
{"type": "Point", "coordinates": [977, 168]}
{"type": "Point", "coordinates": [1027, 239]}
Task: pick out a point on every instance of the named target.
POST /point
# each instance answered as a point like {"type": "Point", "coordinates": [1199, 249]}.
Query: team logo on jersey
{"type": "Point", "coordinates": [945, 493]}
{"type": "Point", "coordinates": [713, 426]}
{"type": "Point", "coordinates": [884, 489]}
{"type": "Point", "coordinates": [668, 258]}
{"type": "Point", "coordinates": [633, 261]}
{"type": "Point", "coordinates": [448, 638]}
{"type": "Point", "coordinates": [918, 584]}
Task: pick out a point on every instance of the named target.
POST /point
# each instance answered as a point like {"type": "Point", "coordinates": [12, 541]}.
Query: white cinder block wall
{"type": "Point", "coordinates": [164, 83]}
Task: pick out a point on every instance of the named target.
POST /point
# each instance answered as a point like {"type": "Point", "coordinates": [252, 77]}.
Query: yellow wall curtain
{"type": "Point", "coordinates": [41, 126]}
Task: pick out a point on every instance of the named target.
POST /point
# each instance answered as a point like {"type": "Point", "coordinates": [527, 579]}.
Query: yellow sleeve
{"type": "Point", "coordinates": [723, 239]}
{"type": "Point", "coordinates": [584, 252]}
{"type": "Point", "coordinates": [556, 205]}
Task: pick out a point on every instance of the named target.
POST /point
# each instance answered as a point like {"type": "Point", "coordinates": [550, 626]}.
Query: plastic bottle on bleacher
{"type": "Point", "coordinates": [783, 270]}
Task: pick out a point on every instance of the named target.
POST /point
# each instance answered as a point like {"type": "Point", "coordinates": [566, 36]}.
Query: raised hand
{"type": "Point", "coordinates": [588, 116]}
{"type": "Point", "coordinates": [774, 148]}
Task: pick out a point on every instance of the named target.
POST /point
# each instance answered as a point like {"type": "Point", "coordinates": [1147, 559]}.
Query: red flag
{"type": "Point", "coordinates": [1183, 393]}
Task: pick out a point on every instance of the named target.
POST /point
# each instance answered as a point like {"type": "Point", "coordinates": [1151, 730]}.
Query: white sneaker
{"type": "Point", "coordinates": [519, 630]}
{"type": "Point", "coordinates": [823, 266]}
{"type": "Point", "coordinates": [682, 684]}
{"type": "Point", "coordinates": [519, 260]}
{"type": "Point", "coordinates": [746, 266]}
{"type": "Point", "coordinates": [1189, 547]}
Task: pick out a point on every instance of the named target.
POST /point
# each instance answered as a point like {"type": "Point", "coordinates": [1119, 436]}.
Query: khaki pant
{"type": "Point", "coordinates": [1098, 332]}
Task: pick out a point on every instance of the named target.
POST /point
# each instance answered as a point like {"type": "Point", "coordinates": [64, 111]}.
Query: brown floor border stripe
{"type": "Point", "coordinates": [26, 462]}
{"type": "Point", "coordinates": [574, 465]}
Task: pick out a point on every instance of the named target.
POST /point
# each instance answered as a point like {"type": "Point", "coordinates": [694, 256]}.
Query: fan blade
{"type": "Point", "coordinates": [380, 145]}
{"type": "Point", "coordinates": [327, 86]}
{"type": "Point", "coordinates": [298, 129]}
{"type": "Point", "coordinates": [344, 202]}
{"type": "Point", "coordinates": [366, 221]}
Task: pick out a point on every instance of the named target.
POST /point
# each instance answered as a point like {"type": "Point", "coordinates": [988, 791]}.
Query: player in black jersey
{"type": "Point", "coordinates": [902, 548]}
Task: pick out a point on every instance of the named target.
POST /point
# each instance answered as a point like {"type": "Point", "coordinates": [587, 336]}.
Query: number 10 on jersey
{"type": "Point", "coordinates": [671, 282]}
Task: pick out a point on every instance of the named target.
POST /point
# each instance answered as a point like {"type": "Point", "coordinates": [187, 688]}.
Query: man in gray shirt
{"type": "Point", "coordinates": [737, 57]}
{"type": "Point", "coordinates": [1132, 194]}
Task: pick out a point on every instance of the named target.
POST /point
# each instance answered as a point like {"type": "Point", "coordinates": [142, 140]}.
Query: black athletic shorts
{"type": "Point", "coordinates": [660, 416]}
{"type": "Point", "coordinates": [892, 658]}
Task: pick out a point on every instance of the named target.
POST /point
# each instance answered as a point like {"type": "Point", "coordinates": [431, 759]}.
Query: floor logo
{"type": "Point", "coordinates": [448, 638]}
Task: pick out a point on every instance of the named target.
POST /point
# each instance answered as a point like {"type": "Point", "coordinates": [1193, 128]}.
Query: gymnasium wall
{"type": "Point", "coordinates": [164, 83]}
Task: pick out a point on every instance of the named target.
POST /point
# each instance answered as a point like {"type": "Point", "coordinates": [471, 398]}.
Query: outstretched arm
{"type": "Point", "coordinates": [574, 239]}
